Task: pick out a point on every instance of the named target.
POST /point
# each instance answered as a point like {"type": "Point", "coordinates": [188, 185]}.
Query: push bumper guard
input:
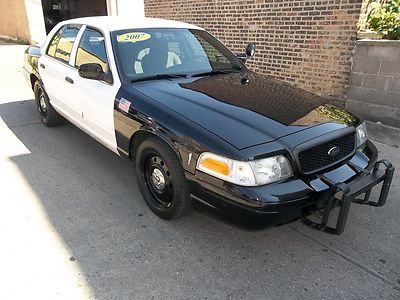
{"type": "Point", "coordinates": [343, 194]}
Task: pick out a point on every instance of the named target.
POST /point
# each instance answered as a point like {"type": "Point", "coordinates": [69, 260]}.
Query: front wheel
{"type": "Point", "coordinates": [47, 113]}
{"type": "Point", "coordinates": [161, 179]}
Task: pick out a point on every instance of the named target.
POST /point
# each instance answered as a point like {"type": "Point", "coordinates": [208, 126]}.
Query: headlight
{"type": "Point", "coordinates": [251, 173]}
{"type": "Point", "coordinates": [362, 135]}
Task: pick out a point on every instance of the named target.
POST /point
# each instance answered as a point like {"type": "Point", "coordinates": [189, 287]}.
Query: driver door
{"type": "Point", "coordinates": [95, 97]}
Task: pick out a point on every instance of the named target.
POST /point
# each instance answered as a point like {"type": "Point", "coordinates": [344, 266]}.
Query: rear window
{"type": "Point", "coordinates": [61, 45]}
{"type": "Point", "coordinates": [51, 50]}
{"type": "Point", "coordinates": [67, 39]}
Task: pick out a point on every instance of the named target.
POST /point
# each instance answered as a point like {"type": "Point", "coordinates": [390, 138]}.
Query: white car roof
{"type": "Point", "coordinates": [111, 23]}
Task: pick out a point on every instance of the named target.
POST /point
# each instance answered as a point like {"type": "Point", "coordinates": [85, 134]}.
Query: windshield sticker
{"type": "Point", "coordinates": [133, 37]}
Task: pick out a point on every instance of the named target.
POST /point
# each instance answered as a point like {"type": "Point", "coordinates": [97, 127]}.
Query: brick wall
{"type": "Point", "coordinates": [307, 43]}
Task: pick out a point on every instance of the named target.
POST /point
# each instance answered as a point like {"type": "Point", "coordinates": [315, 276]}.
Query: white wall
{"type": "Point", "coordinates": [126, 8]}
{"type": "Point", "coordinates": [34, 13]}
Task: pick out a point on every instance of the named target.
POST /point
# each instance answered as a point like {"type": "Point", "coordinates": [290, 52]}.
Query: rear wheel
{"type": "Point", "coordinates": [161, 179]}
{"type": "Point", "coordinates": [47, 113]}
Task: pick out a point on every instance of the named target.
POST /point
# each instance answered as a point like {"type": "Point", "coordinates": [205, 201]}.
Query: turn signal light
{"type": "Point", "coordinates": [216, 166]}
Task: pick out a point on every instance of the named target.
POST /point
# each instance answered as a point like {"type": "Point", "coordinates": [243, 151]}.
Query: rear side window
{"type": "Point", "coordinates": [92, 49]}
{"type": "Point", "coordinates": [51, 50]}
{"type": "Point", "coordinates": [65, 43]}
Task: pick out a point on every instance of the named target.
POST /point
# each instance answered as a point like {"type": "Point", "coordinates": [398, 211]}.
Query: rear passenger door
{"type": "Point", "coordinates": [54, 65]}
{"type": "Point", "coordinates": [95, 98]}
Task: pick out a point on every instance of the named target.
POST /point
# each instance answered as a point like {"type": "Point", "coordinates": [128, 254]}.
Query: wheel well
{"type": "Point", "coordinates": [33, 79]}
{"type": "Point", "coordinates": [138, 137]}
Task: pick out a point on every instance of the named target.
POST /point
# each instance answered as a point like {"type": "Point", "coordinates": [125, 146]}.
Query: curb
{"type": "Point", "coordinates": [383, 133]}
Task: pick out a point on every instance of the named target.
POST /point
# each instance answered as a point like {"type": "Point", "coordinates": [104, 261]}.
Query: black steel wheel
{"type": "Point", "coordinates": [158, 180]}
{"type": "Point", "coordinates": [161, 179]}
{"type": "Point", "coordinates": [47, 113]}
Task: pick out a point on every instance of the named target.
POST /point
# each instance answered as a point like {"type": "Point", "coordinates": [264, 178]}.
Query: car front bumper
{"type": "Point", "coordinates": [296, 198]}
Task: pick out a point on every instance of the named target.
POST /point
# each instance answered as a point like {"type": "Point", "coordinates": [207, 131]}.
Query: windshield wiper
{"type": "Point", "coordinates": [159, 76]}
{"type": "Point", "coordinates": [235, 69]}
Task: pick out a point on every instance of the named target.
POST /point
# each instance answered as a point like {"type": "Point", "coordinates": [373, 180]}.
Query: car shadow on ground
{"type": "Point", "coordinates": [125, 251]}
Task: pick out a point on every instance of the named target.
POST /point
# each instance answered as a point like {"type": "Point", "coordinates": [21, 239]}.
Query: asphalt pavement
{"type": "Point", "coordinates": [73, 225]}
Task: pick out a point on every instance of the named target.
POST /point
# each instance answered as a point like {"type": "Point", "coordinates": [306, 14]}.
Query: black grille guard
{"type": "Point", "coordinates": [343, 194]}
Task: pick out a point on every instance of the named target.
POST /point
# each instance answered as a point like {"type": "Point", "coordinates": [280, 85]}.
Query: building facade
{"type": "Point", "coordinates": [30, 20]}
{"type": "Point", "coordinates": [308, 43]}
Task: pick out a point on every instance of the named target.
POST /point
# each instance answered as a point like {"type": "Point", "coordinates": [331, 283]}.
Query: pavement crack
{"type": "Point", "coordinates": [349, 259]}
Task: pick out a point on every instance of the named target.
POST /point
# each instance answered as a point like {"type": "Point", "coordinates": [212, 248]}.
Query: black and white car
{"type": "Point", "coordinates": [200, 126]}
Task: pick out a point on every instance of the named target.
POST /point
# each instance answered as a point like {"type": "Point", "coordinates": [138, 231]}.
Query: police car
{"type": "Point", "coordinates": [200, 127]}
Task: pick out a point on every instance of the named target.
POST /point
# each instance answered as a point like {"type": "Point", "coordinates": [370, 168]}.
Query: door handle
{"type": "Point", "coordinates": [69, 80]}
{"type": "Point", "coordinates": [42, 66]}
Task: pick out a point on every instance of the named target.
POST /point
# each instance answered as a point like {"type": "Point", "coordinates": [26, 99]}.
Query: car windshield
{"type": "Point", "coordinates": [148, 53]}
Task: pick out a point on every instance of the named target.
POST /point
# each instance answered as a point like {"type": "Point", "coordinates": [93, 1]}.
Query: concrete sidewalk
{"type": "Point", "coordinates": [74, 226]}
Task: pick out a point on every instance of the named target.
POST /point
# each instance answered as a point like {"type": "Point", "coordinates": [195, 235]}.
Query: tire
{"type": "Point", "coordinates": [47, 113]}
{"type": "Point", "coordinates": [161, 179]}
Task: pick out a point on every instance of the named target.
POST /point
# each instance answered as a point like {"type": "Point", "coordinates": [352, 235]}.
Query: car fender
{"type": "Point", "coordinates": [146, 116]}
{"type": "Point", "coordinates": [31, 58]}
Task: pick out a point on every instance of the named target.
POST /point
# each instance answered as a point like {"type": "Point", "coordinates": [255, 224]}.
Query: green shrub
{"type": "Point", "coordinates": [385, 18]}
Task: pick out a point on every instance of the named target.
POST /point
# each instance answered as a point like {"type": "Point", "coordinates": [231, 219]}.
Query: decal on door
{"type": "Point", "coordinates": [124, 105]}
{"type": "Point", "coordinates": [133, 37]}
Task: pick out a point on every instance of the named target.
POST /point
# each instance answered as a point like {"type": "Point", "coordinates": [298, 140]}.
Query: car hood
{"type": "Point", "coordinates": [245, 109]}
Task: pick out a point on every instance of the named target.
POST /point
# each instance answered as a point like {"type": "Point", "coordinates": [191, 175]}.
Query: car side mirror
{"type": "Point", "coordinates": [94, 71]}
{"type": "Point", "coordinates": [250, 50]}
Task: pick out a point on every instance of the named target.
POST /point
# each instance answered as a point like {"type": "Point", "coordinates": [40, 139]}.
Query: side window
{"type": "Point", "coordinates": [92, 49]}
{"type": "Point", "coordinates": [51, 50]}
{"type": "Point", "coordinates": [67, 39]}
